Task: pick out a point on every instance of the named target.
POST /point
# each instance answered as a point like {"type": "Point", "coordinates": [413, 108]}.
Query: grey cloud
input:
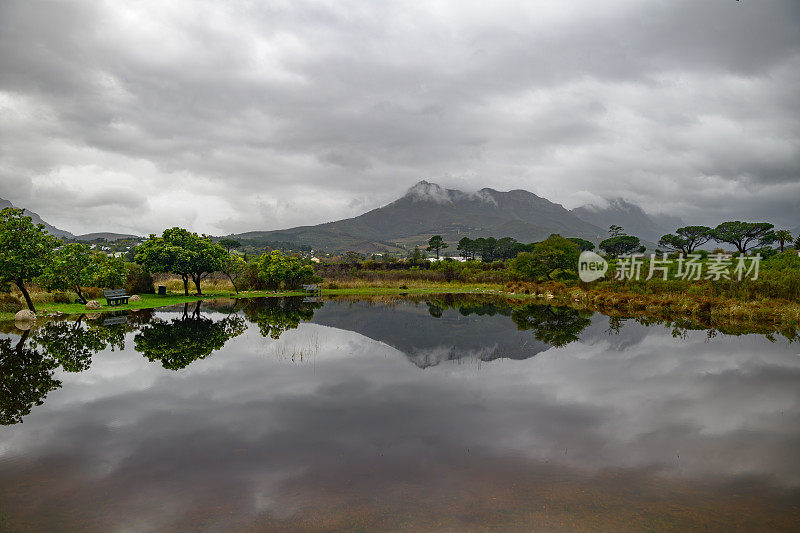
{"type": "Point", "coordinates": [248, 106]}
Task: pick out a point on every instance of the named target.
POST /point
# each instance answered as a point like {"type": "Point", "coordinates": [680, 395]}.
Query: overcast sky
{"type": "Point", "coordinates": [230, 116]}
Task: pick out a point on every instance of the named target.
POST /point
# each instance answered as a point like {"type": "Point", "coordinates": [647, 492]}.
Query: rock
{"type": "Point", "coordinates": [93, 305]}
{"type": "Point", "coordinates": [26, 315]}
{"type": "Point", "coordinates": [135, 298]}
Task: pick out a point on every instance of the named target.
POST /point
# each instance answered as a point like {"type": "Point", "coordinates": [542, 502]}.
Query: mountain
{"type": "Point", "coordinates": [52, 230]}
{"type": "Point", "coordinates": [106, 236]}
{"type": "Point", "coordinates": [428, 209]}
{"type": "Point", "coordinates": [631, 217]}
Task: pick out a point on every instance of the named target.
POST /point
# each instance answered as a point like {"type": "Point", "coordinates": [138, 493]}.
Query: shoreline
{"type": "Point", "coordinates": [713, 313]}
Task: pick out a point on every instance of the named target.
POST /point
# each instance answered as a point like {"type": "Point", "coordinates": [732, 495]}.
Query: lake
{"type": "Point", "coordinates": [447, 413]}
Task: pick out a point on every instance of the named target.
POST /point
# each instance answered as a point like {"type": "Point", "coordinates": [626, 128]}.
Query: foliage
{"type": "Point", "coordinates": [615, 231]}
{"type": "Point", "coordinates": [276, 270]}
{"type": "Point", "coordinates": [181, 252]}
{"type": "Point", "coordinates": [416, 256]}
{"type": "Point", "coordinates": [10, 303]}
{"type": "Point", "coordinates": [583, 244]}
{"type": "Point", "coordinates": [72, 267]}
{"type": "Point", "coordinates": [553, 258]}
{"type": "Point", "coordinates": [744, 235]}
{"type": "Point", "coordinates": [26, 251]}
{"type": "Point", "coordinates": [138, 280]}
{"type": "Point", "coordinates": [686, 239]}
{"type": "Point", "coordinates": [234, 267]}
{"type": "Point", "coordinates": [275, 316]}
{"type": "Point", "coordinates": [783, 236]}
{"type": "Point", "coordinates": [26, 377]}
{"type": "Point", "coordinates": [181, 341]}
{"type": "Point", "coordinates": [558, 326]}
{"type": "Point", "coordinates": [435, 244]}
{"type": "Point", "coordinates": [620, 245]}
{"type": "Point", "coordinates": [110, 272]}
{"type": "Point", "coordinates": [229, 243]}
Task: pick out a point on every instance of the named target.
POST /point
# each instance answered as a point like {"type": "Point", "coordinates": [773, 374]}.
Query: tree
{"type": "Point", "coordinates": [436, 243]}
{"type": "Point", "coordinates": [621, 245]}
{"type": "Point", "coordinates": [234, 267]}
{"type": "Point", "coordinates": [583, 244]}
{"type": "Point", "coordinates": [26, 377]}
{"type": "Point", "coordinates": [352, 257]}
{"type": "Point", "coordinates": [109, 271]}
{"type": "Point", "coordinates": [467, 248]}
{"type": "Point", "coordinates": [72, 267]}
{"type": "Point", "coordinates": [229, 243]}
{"type": "Point", "coordinates": [486, 248]}
{"type": "Point", "coordinates": [548, 260]}
{"type": "Point", "coordinates": [783, 236]}
{"type": "Point", "coordinates": [506, 248]}
{"type": "Point", "coordinates": [184, 253]}
{"type": "Point", "coordinates": [744, 235]}
{"type": "Point", "coordinates": [276, 269]}
{"type": "Point", "coordinates": [25, 251]}
{"type": "Point", "coordinates": [686, 239]}
{"type": "Point", "coordinates": [415, 256]}
{"type": "Point", "coordinates": [797, 243]}
{"type": "Point", "coordinates": [615, 231]}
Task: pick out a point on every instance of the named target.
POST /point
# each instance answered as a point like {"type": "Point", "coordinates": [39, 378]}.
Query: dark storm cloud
{"type": "Point", "coordinates": [236, 116]}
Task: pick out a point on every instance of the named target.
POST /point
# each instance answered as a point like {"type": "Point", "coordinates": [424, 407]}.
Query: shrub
{"type": "Point", "coordinates": [138, 280]}
{"type": "Point", "coordinates": [10, 303]}
{"type": "Point", "coordinates": [63, 297]}
{"type": "Point", "coordinates": [91, 293]}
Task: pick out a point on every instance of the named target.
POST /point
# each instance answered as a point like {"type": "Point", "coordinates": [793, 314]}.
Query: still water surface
{"type": "Point", "coordinates": [445, 414]}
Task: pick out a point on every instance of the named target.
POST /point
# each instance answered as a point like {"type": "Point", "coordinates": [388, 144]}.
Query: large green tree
{"type": "Point", "coordinates": [783, 236]}
{"type": "Point", "coordinates": [72, 267]}
{"type": "Point", "coordinates": [179, 251]}
{"type": "Point", "coordinates": [435, 244]}
{"type": "Point", "coordinates": [25, 251]}
{"type": "Point", "coordinates": [276, 269]}
{"type": "Point", "coordinates": [745, 235]}
{"type": "Point", "coordinates": [552, 258]}
{"type": "Point", "coordinates": [583, 244]}
{"type": "Point", "coordinates": [621, 245]}
{"type": "Point", "coordinates": [686, 239]}
{"type": "Point", "coordinates": [467, 248]}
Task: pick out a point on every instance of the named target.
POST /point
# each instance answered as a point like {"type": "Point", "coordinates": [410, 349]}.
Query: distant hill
{"type": "Point", "coordinates": [428, 209]}
{"type": "Point", "coordinates": [52, 230]}
{"type": "Point", "coordinates": [106, 236]}
{"type": "Point", "coordinates": [631, 217]}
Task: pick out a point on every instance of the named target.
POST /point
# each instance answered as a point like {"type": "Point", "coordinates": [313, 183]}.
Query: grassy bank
{"type": "Point", "coordinates": [706, 307]}
{"type": "Point", "coordinates": [151, 301]}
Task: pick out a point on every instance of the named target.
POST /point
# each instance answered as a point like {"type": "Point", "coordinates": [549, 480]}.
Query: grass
{"type": "Point", "coordinates": [706, 307]}
{"type": "Point", "coordinates": [46, 306]}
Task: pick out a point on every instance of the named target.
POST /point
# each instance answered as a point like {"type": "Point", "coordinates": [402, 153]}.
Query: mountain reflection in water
{"type": "Point", "coordinates": [442, 413]}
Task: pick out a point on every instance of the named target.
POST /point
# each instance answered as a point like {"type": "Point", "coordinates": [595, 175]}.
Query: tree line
{"type": "Point", "coordinates": [31, 255]}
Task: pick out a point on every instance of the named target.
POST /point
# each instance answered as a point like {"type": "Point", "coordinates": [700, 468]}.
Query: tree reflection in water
{"type": "Point", "coordinates": [179, 342]}
{"type": "Point", "coordinates": [274, 316]}
{"type": "Point", "coordinates": [27, 367]}
{"type": "Point", "coordinates": [557, 326]}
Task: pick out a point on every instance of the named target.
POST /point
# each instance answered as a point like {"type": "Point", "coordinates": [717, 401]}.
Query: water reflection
{"type": "Point", "coordinates": [179, 342]}
{"type": "Point", "coordinates": [444, 413]}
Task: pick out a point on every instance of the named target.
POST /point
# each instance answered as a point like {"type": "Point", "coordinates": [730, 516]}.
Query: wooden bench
{"type": "Point", "coordinates": [311, 288]}
{"type": "Point", "coordinates": [116, 297]}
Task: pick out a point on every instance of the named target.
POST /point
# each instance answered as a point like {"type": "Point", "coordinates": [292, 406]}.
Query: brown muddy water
{"type": "Point", "coordinates": [447, 414]}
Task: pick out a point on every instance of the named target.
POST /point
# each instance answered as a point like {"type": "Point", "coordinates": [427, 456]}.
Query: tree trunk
{"type": "Point", "coordinates": [196, 279]}
{"type": "Point", "coordinates": [24, 291]}
{"type": "Point", "coordinates": [232, 282]}
{"type": "Point", "coordinates": [81, 297]}
{"type": "Point", "coordinates": [185, 278]}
